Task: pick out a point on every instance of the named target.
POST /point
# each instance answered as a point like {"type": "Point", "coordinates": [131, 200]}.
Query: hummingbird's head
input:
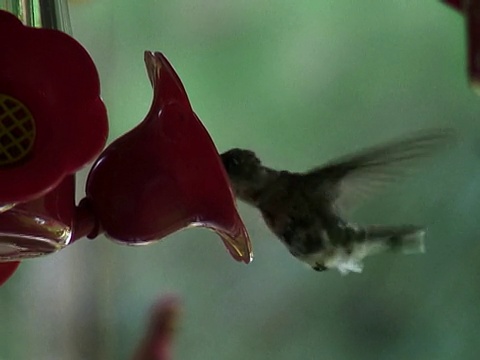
{"type": "Point", "coordinates": [245, 171]}
{"type": "Point", "coordinates": [241, 164]}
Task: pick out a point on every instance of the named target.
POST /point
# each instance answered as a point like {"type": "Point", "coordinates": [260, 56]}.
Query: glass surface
{"type": "Point", "coordinates": [48, 14]}
{"type": "Point", "coordinates": [39, 227]}
{"type": "Point", "coordinates": [300, 83]}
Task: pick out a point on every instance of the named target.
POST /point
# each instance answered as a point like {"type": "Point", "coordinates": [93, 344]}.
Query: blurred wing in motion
{"type": "Point", "coordinates": [351, 179]}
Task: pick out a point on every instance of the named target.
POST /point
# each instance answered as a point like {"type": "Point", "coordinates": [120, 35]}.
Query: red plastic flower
{"type": "Point", "coordinates": [52, 120]}
{"type": "Point", "coordinates": [165, 174]}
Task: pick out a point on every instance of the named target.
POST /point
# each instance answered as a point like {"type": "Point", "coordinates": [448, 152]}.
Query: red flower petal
{"type": "Point", "coordinates": [165, 174]}
{"type": "Point", "coordinates": [54, 78]}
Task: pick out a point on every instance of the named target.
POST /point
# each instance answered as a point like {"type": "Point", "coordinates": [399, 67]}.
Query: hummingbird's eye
{"type": "Point", "coordinates": [230, 163]}
{"type": "Point", "coordinates": [240, 164]}
{"type": "Point", "coordinates": [319, 267]}
{"type": "Point", "coordinates": [235, 159]}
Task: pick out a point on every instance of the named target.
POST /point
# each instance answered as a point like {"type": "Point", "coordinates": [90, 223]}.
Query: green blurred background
{"type": "Point", "coordinates": [299, 82]}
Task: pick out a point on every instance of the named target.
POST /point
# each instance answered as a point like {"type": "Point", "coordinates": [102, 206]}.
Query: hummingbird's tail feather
{"type": "Point", "coordinates": [363, 241]}
{"type": "Point", "coordinates": [407, 239]}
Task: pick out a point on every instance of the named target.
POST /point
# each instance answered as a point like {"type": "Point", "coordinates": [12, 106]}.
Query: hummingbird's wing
{"type": "Point", "coordinates": [349, 180]}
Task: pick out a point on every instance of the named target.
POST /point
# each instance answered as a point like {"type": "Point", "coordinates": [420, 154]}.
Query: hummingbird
{"type": "Point", "coordinates": [309, 211]}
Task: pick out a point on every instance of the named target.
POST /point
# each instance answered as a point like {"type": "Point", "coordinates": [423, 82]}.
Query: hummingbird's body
{"type": "Point", "coordinates": [306, 211]}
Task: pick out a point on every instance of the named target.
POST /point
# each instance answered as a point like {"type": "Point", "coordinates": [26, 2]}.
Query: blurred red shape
{"type": "Point", "coordinates": [456, 4]}
{"type": "Point", "coordinates": [471, 10]}
{"type": "Point", "coordinates": [7, 269]}
{"type": "Point", "coordinates": [157, 342]}
{"type": "Point", "coordinates": [165, 174]}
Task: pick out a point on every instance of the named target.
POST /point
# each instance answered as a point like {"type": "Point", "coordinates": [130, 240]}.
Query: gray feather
{"type": "Point", "coordinates": [349, 180]}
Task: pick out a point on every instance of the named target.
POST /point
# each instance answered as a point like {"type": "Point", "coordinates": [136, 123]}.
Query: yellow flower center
{"type": "Point", "coordinates": [17, 130]}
